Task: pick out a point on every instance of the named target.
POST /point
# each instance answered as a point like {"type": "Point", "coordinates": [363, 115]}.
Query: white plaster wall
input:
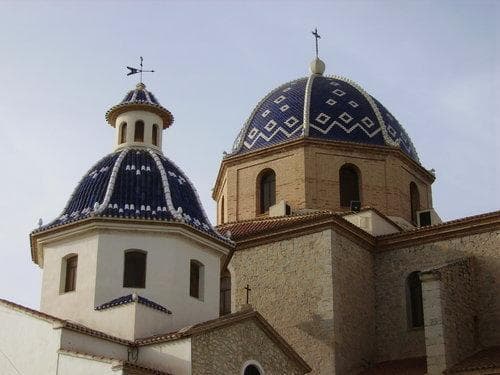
{"type": "Point", "coordinates": [130, 118]}
{"type": "Point", "coordinates": [77, 304]}
{"type": "Point", "coordinates": [173, 357]}
{"type": "Point", "coordinates": [167, 273]}
{"type": "Point", "coordinates": [79, 342]}
{"type": "Point", "coordinates": [27, 345]}
{"type": "Point", "coordinates": [72, 365]}
{"type": "Point", "coordinates": [150, 322]}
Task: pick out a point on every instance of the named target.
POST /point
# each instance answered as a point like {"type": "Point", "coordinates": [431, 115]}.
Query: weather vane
{"type": "Point", "coordinates": [135, 70]}
{"type": "Point", "coordinates": [316, 36]}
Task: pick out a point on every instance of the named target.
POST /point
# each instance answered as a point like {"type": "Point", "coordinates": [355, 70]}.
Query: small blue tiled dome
{"type": "Point", "coordinates": [322, 107]}
{"type": "Point", "coordinates": [140, 98]}
{"type": "Point", "coordinates": [136, 184]}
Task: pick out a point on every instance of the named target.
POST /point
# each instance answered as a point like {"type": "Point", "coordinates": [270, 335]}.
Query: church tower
{"type": "Point", "coordinates": [133, 252]}
{"type": "Point", "coordinates": [321, 143]}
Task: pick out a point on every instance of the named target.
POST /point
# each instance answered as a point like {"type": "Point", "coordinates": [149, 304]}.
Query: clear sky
{"type": "Point", "coordinates": [434, 65]}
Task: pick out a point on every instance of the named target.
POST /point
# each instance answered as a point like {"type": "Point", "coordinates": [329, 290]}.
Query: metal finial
{"type": "Point", "coordinates": [316, 37]}
{"type": "Point", "coordinates": [136, 70]}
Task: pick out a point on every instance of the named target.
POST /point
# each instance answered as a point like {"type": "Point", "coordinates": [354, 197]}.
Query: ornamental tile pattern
{"type": "Point", "coordinates": [338, 109]}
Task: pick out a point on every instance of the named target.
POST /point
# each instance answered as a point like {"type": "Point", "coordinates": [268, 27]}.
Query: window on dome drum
{"type": "Point", "coordinates": [139, 131]}
{"type": "Point", "coordinates": [225, 294]}
{"type": "Point", "coordinates": [71, 264]}
{"type": "Point", "coordinates": [123, 132]}
{"type": "Point", "coordinates": [222, 210]}
{"type": "Point", "coordinates": [196, 278]}
{"type": "Point", "coordinates": [154, 135]}
{"type": "Point", "coordinates": [251, 370]}
{"type": "Point", "coordinates": [134, 272]}
{"type": "Point", "coordinates": [267, 190]}
{"type": "Point", "coordinates": [414, 302]}
{"type": "Point", "coordinates": [349, 185]}
{"type": "Point", "coordinates": [414, 201]}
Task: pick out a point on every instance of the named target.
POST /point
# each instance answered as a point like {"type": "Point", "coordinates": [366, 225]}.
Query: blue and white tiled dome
{"type": "Point", "coordinates": [136, 184]}
{"type": "Point", "coordinates": [321, 107]}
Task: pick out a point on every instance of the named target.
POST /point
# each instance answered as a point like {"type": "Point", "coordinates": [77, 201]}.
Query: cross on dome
{"type": "Point", "coordinates": [317, 66]}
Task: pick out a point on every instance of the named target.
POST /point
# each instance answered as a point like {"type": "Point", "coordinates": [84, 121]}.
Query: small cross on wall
{"type": "Point", "coordinates": [247, 288]}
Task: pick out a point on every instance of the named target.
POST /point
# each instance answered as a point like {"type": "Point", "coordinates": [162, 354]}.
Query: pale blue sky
{"type": "Point", "coordinates": [434, 65]}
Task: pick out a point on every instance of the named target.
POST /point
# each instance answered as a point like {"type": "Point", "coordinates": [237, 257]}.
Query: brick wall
{"type": "Point", "coordinates": [308, 177]}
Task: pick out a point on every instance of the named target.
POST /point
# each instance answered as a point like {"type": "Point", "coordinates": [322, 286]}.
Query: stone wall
{"type": "Point", "coordinates": [394, 337]}
{"type": "Point", "coordinates": [224, 351]}
{"type": "Point", "coordinates": [449, 296]}
{"type": "Point", "coordinates": [354, 305]}
{"type": "Point", "coordinates": [292, 288]}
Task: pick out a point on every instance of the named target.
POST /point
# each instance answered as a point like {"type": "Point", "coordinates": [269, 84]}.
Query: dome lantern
{"type": "Point", "coordinates": [139, 119]}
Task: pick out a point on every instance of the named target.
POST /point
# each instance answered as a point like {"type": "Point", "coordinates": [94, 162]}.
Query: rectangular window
{"type": "Point", "coordinates": [71, 266]}
{"type": "Point", "coordinates": [225, 295]}
{"type": "Point", "coordinates": [134, 273]}
{"type": "Point", "coordinates": [194, 280]}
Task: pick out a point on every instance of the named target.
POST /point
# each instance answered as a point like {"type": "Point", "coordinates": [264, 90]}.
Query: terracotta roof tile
{"type": "Point", "coordinates": [487, 359]}
{"type": "Point", "coordinates": [246, 228]}
{"type": "Point", "coordinates": [114, 361]}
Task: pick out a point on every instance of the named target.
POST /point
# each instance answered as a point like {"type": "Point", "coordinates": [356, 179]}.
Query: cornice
{"type": "Point", "coordinates": [467, 226]}
{"type": "Point", "coordinates": [39, 239]}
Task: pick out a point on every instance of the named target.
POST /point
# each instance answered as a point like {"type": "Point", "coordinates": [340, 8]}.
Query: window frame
{"type": "Point", "coordinates": [252, 362]}
{"type": "Point", "coordinates": [415, 321]}
{"type": "Point", "coordinates": [139, 131]}
{"type": "Point", "coordinates": [128, 282]}
{"type": "Point", "coordinates": [154, 135]}
{"type": "Point", "coordinates": [414, 202]}
{"type": "Point", "coordinates": [69, 263]}
{"type": "Point", "coordinates": [263, 206]}
{"type": "Point", "coordinates": [225, 294]}
{"type": "Point", "coordinates": [200, 289]}
{"type": "Point", "coordinates": [344, 191]}
{"type": "Point", "coordinates": [123, 133]}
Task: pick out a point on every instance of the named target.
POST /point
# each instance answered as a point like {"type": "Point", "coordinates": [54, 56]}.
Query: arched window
{"type": "Point", "coordinates": [154, 135]}
{"type": "Point", "coordinates": [123, 132]}
{"type": "Point", "coordinates": [222, 210]}
{"type": "Point", "coordinates": [415, 303]}
{"type": "Point", "coordinates": [70, 265]}
{"type": "Point", "coordinates": [414, 201]}
{"type": "Point", "coordinates": [349, 185]}
{"type": "Point", "coordinates": [196, 279]}
{"type": "Point", "coordinates": [139, 131]}
{"type": "Point", "coordinates": [267, 190]}
{"type": "Point", "coordinates": [225, 293]}
{"type": "Point", "coordinates": [134, 273]}
{"type": "Point", "coordinates": [252, 367]}
{"type": "Point", "coordinates": [252, 370]}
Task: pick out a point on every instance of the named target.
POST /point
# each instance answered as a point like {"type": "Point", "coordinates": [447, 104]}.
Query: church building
{"type": "Point", "coordinates": [327, 258]}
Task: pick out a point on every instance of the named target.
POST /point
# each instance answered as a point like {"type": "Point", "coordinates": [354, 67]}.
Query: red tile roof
{"type": "Point", "coordinates": [115, 361]}
{"type": "Point", "coordinates": [247, 228]}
